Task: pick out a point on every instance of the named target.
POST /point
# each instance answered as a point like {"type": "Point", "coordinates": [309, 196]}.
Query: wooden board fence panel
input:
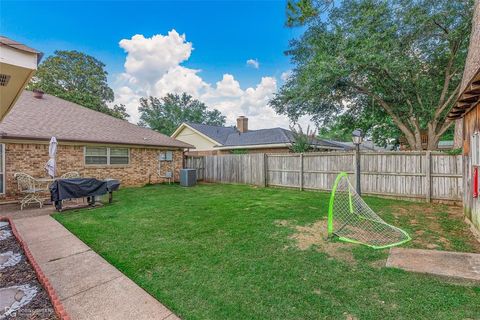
{"type": "Point", "coordinates": [246, 169]}
{"type": "Point", "coordinates": [418, 175]}
{"type": "Point", "coordinates": [196, 163]}
{"type": "Point", "coordinates": [401, 174]}
{"type": "Point", "coordinates": [320, 170]}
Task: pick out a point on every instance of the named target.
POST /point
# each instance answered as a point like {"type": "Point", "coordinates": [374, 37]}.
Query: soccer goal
{"type": "Point", "coordinates": [352, 220]}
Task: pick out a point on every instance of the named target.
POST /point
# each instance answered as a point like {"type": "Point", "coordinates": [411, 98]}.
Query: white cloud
{"type": "Point", "coordinates": [285, 75]}
{"type": "Point", "coordinates": [150, 58]}
{"type": "Point", "coordinates": [153, 66]}
{"type": "Point", "coordinates": [253, 63]}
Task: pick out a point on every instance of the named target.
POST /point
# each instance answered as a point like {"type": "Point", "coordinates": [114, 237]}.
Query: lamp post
{"type": "Point", "coordinates": [357, 137]}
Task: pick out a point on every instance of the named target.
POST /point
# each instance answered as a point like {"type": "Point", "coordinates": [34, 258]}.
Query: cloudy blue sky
{"type": "Point", "coordinates": [228, 54]}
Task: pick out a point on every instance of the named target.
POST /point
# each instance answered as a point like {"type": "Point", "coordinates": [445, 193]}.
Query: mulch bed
{"type": "Point", "coordinates": [40, 307]}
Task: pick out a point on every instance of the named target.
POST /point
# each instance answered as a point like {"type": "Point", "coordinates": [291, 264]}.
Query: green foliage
{"type": "Point", "coordinates": [79, 78]}
{"type": "Point", "coordinates": [380, 128]}
{"type": "Point", "coordinates": [166, 114]}
{"type": "Point", "coordinates": [229, 252]}
{"type": "Point", "coordinates": [119, 111]}
{"type": "Point", "coordinates": [239, 151]}
{"type": "Point", "coordinates": [302, 142]}
{"type": "Point", "coordinates": [454, 152]}
{"type": "Point", "coordinates": [394, 66]}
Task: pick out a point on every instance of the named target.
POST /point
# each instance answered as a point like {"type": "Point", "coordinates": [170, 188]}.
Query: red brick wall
{"type": "Point", "coordinates": [31, 159]}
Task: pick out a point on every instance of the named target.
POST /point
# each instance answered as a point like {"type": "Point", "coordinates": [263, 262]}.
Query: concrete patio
{"type": "Point", "coordinates": [88, 286]}
{"type": "Point", "coordinates": [460, 265]}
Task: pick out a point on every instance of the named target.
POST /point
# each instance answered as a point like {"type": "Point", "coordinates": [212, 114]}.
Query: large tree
{"type": "Point", "coordinates": [392, 66]}
{"type": "Point", "coordinates": [167, 113]}
{"type": "Point", "coordinates": [79, 78]}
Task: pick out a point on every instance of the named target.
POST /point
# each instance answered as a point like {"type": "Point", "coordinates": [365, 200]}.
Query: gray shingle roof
{"type": "Point", "coordinates": [40, 119]}
{"type": "Point", "coordinates": [231, 137]}
{"type": "Point", "coordinates": [217, 133]}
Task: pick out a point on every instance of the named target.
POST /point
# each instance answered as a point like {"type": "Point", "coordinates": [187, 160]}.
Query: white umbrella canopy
{"type": "Point", "coordinates": [52, 152]}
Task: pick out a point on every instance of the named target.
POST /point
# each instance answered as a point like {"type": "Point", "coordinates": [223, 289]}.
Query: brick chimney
{"type": "Point", "coordinates": [242, 124]}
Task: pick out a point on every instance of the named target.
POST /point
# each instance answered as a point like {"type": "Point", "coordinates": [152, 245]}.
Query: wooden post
{"type": "Point", "coordinates": [428, 176]}
{"type": "Point", "coordinates": [301, 171]}
{"type": "Point", "coordinates": [265, 170]}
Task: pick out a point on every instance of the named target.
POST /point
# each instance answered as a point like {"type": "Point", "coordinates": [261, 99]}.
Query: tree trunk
{"type": "Point", "coordinates": [433, 140]}
{"type": "Point", "coordinates": [458, 136]}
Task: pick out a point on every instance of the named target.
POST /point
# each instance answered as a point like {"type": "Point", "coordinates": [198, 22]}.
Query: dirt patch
{"type": "Point", "coordinates": [436, 226]}
{"type": "Point", "coordinates": [315, 235]}
{"type": "Point", "coordinates": [349, 316]}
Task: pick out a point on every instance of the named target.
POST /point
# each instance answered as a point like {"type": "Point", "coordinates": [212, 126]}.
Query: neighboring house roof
{"type": "Point", "coordinates": [33, 118]}
{"type": "Point", "coordinates": [5, 41]}
{"type": "Point", "coordinates": [230, 137]}
{"type": "Point", "coordinates": [445, 144]}
{"type": "Point", "coordinates": [217, 133]}
{"type": "Point", "coordinates": [368, 146]}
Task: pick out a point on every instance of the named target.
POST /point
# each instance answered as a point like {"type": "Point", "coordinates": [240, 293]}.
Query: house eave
{"type": "Point", "coordinates": [468, 99]}
{"type": "Point", "coordinates": [4, 138]}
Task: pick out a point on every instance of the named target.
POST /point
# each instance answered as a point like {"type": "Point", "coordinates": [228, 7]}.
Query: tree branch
{"type": "Point", "coordinates": [396, 119]}
{"type": "Point", "coordinates": [448, 73]}
{"type": "Point", "coordinates": [442, 108]}
{"type": "Point", "coordinates": [445, 30]}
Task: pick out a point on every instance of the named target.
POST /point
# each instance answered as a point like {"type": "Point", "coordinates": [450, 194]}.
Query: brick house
{"type": "Point", "coordinates": [92, 143]}
{"type": "Point", "coordinates": [215, 140]}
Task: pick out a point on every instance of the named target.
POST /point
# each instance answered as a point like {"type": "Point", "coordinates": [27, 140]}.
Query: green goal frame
{"type": "Point", "coordinates": [331, 217]}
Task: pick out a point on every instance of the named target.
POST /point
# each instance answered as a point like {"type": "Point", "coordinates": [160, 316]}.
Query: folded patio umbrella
{"type": "Point", "coordinates": [52, 152]}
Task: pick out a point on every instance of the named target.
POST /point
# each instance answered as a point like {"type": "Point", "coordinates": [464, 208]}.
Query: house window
{"type": "Point", "coordinates": [166, 156]}
{"type": "Point", "coordinates": [2, 168]}
{"type": "Point", "coordinates": [106, 156]}
{"type": "Point", "coordinates": [119, 156]}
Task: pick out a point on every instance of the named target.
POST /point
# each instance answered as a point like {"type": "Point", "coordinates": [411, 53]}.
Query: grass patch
{"type": "Point", "coordinates": [230, 251]}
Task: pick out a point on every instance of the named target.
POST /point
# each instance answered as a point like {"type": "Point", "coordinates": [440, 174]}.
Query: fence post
{"type": "Point", "coordinates": [428, 176]}
{"type": "Point", "coordinates": [265, 170]}
{"type": "Point", "coordinates": [301, 171]}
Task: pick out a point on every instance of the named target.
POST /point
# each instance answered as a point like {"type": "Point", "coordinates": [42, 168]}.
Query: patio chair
{"type": "Point", "coordinates": [70, 175]}
{"type": "Point", "coordinates": [32, 190]}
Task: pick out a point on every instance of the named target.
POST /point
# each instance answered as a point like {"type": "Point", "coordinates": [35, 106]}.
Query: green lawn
{"type": "Point", "coordinates": [240, 252]}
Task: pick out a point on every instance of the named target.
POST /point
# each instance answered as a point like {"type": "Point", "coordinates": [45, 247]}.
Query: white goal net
{"type": "Point", "coordinates": [352, 220]}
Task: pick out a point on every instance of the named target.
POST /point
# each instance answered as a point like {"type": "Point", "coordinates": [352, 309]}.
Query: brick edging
{"type": "Point", "coordinates": [42, 278]}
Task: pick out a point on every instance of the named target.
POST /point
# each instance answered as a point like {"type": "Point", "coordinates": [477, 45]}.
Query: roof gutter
{"type": "Point", "coordinates": [4, 136]}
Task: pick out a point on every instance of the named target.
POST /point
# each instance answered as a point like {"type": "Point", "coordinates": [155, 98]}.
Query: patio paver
{"type": "Point", "coordinates": [88, 286]}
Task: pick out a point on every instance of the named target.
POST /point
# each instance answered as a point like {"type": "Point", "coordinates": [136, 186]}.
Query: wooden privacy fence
{"type": "Point", "coordinates": [421, 175]}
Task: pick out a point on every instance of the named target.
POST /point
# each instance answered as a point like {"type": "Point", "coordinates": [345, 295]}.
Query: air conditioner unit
{"type": "Point", "coordinates": [188, 177]}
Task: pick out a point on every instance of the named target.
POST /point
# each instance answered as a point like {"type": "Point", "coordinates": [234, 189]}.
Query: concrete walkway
{"type": "Point", "coordinates": [458, 265]}
{"type": "Point", "coordinates": [88, 286]}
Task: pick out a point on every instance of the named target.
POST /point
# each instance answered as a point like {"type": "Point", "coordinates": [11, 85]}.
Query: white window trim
{"type": "Point", "coordinates": [108, 157]}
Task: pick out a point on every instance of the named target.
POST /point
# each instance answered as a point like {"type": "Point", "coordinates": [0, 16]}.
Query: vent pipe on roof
{"type": "Point", "coordinates": [38, 94]}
